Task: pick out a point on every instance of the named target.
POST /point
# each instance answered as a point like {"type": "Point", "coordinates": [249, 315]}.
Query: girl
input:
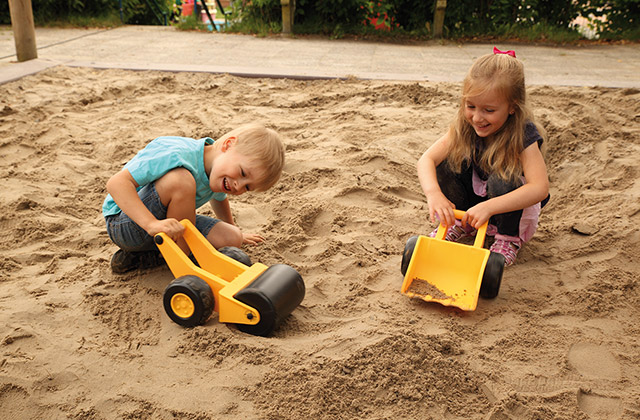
{"type": "Point", "coordinates": [489, 163]}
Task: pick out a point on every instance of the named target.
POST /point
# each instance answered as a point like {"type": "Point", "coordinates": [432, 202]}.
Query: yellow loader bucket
{"type": "Point", "coordinates": [445, 272]}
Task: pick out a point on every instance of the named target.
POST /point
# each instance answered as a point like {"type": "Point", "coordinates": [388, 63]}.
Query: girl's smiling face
{"type": "Point", "coordinates": [232, 172]}
{"type": "Point", "coordinates": [487, 112]}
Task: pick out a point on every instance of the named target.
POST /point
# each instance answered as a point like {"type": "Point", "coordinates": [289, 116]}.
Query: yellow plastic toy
{"type": "Point", "coordinates": [253, 296]}
{"type": "Point", "coordinates": [450, 273]}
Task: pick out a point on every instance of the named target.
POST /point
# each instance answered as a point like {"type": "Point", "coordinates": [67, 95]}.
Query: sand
{"type": "Point", "coordinates": [560, 341]}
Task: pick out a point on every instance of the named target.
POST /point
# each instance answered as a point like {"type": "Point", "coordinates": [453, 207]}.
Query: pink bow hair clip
{"type": "Point", "coordinates": [510, 52]}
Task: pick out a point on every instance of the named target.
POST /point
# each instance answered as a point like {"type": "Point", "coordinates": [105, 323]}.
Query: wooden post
{"type": "Point", "coordinates": [288, 8]}
{"type": "Point", "coordinates": [438, 18]}
{"type": "Point", "coordinates": [24, 31]}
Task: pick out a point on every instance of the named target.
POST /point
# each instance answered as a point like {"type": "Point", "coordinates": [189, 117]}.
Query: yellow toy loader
{"type": "Point", "coordinates": [255, 297]}
{"type": "Point", "coordinates": [450, 273]}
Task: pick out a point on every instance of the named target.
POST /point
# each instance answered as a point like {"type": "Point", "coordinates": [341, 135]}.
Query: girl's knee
{"type": "Point", "coordinates": [457, 187]}
{"type": "Point", "coordinates": [444, 174]}
{"type": "Point", "coordinates": [497, 186]}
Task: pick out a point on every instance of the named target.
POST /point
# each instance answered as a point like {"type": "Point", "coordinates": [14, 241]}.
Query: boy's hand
{"type": "Point", "coordinates": [252, 239]}
{"type": "Point", "coordinates": [171, 227]}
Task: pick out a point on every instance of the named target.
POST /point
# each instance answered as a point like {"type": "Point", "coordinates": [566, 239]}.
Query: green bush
{"type": "Point", "coordinates": [147, 12]}
{"type": "Point", "coordinates": [492, 17]}
{"type": "Point", "coordinates": [621, 18]}
{"type": "Point", "coordinates": [413, 15]}
{"type": "Point", "coordinates": [266, 11]}
{"type": "Point", "coordinates": [260, 17]}
{"type": "Point", "coordinates": [524, 19]}
{"type": "Point", "coordinates": [463, 18]}
{"type": "Point", "coordinates": [330, 12]}
{"type": "Point", "coordinates": [329, 17]}
{"type": "Point", "coordinates": [84, 12]}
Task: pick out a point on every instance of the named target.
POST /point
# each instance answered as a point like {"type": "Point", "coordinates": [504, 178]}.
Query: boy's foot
{"type": "Point", "coordinates": [455, 233]}
{"type": "Point", "coordinates": [125, 261]}
{"type": "Point", "coordinates": [507, 248]}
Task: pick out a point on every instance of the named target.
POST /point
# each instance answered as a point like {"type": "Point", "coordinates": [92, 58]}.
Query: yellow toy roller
{"type": "Point", "coordinates": [450, 273]}
{"type": "Point", "coordinates": [253, 296]}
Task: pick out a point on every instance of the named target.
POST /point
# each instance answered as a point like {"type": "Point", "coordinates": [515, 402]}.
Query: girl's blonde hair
{"type": "Point", "coordinates": [262, 146]}
{"type": "Point", "coordinates": [504, 75]}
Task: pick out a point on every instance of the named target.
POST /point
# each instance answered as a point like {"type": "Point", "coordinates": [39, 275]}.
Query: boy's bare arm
{"type": "Point", "coordinates": [222, 209]}
{"type": "Point", "coordinates": [122, 188]}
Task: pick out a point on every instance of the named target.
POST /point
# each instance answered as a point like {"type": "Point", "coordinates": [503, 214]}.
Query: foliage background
{"type": "Point", "coordinates": [463, 18]}
{"type": "Point", "coordinates": [86, 12]}
{"type": "Point", "coordinates": [528, 19]}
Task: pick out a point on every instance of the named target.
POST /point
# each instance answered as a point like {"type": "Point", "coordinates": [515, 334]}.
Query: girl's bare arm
{"type": "Point", "coordinates": [438, 203]}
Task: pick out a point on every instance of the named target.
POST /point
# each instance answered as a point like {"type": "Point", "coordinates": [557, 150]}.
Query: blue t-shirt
{"type": "Point", "coordinates": [162, 155]}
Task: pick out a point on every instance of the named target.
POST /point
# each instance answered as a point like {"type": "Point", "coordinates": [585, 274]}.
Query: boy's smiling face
{"type": "Point", "coordinates": [232, 172]}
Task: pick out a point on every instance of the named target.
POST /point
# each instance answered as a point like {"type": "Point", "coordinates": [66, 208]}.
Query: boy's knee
{"type": "Point", "coordinates": [225, 234]}
{"type": "Point", "coordinates": [235, 237]}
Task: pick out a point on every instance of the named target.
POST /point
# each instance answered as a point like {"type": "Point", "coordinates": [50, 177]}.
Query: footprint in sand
{"type": "Point", "coordinates": [596, 362]}
{"type": "Point", "coordinates": [599, 406]}
{"type": "Point", "coordinates": [15, 404]}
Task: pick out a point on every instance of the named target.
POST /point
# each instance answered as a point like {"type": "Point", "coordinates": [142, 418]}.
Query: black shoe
{"type": "Point", "coordinates": [125, 261]}
{"type": "Point", "coordinates": [237, 254]}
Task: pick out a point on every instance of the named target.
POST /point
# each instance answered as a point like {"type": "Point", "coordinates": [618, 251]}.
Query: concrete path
{"type": "Point", "coordinates": [165, 48]}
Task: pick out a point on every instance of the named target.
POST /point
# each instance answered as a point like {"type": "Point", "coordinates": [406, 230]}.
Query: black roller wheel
{"type": "Point", "coordinates": [189, 301]}
{"type": "Point", "coordinates": [274, 294]}
{"type": "Point", "coordinates": [492, 276]}
{"type": "Point", "coordinates": [237, 254]}
{"type": "Point", "coordinates": [407, 254]}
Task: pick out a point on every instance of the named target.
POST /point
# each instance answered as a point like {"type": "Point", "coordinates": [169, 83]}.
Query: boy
{"type": "Point", "coordinates": [173, 176]}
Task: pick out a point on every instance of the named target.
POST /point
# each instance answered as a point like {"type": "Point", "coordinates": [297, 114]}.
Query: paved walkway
{"type": "Point", "coordinates": [165, 48]}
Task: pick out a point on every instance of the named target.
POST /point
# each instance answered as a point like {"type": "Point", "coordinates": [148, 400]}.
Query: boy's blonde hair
{"type": "Point", "coordinates": [505, 75]}
{"type": "Point", "coordinates": [264, 147]}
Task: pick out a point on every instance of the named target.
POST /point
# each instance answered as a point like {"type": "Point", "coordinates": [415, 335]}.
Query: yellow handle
{"type": "Point", "coordinates": [459, 214]}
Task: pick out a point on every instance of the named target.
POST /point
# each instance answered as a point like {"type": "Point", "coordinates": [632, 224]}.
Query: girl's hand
{"type": "Point", "coordinates": [171, 227]}
{"type": "Point", "coordinates": [477, 215]}
{"type": "Point", "coordinates": [252, 239]}
{"type": "Point", "coordinates": [440, 206]}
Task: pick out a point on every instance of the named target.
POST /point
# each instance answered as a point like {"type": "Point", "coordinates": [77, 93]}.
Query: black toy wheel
{"type": "Point", "coordinates": [492, 276]}
{"type": "Point", "coordinates": [237, 254]}
{"type": "Point", "coordinates": [189, 301]}
{"type": "Point", "coordinates": [274, 294]}
{"type": "Point", "coordinates": [407, 254]}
